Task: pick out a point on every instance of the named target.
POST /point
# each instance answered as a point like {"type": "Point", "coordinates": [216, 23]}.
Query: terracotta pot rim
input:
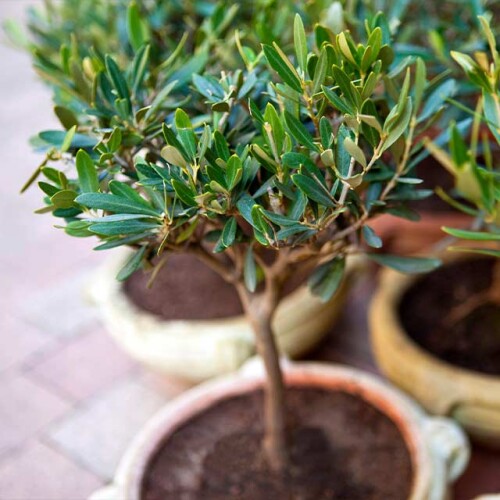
{"type": "Point", "coordinates": [405, 414]}
{"type": "Point", "coordinates": [385, 303]}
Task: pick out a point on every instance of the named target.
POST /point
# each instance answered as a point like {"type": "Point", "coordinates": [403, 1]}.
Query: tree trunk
{"type": "Point", "coordinates": [260, 309]}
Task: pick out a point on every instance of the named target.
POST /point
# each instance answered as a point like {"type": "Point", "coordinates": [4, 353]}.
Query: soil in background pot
{"type": "Point", "coordinates": [437, 313]}
{"type": "Point", "coordinates": [185, 288]}
{"type": "Point", "coordinates": [341, 448]}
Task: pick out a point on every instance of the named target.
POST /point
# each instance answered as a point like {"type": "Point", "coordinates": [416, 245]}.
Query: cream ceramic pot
{"type": "Point", "coordinates": [201, 349]}
{"type": "Point", "coordinates": [439, 450]}
{"type": "Point", "coordinates": [473, 399]}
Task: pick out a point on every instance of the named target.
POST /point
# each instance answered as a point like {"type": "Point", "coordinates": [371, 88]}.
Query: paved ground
{"type": "Point", "coordinates": [70, 400]}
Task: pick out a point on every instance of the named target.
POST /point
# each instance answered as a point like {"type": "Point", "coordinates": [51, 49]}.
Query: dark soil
{"type": "Point", "coordinates": [185, 288]}
{"type": "Point", "coordinates": [341, 448]}
{"type": "Point", "coordinates": [474, 341]}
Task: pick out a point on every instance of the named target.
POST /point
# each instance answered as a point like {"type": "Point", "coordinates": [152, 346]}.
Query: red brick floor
{"type": "Point", "coordinates": [70, 401]}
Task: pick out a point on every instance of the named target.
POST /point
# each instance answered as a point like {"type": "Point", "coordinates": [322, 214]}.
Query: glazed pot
{"type": "Point", "coordinates": [439, 450]}
{"type": "Point", "coordinates": [196, 350]}
{"type": "Point", "coordinates": [472, 398]}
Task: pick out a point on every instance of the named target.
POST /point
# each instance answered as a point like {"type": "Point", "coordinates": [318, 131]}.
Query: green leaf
{"type": "Point", "coordinates": [132, 265]}
{"type": "Point", "coordinates": [345, 48]}
{"type": "Point", "coordinates": [229, 232]}
{"type": "Point", "coordinates": [288, 231]}
{"type": "Point", "coordinates": [326, 132]}
{"type": "Point", "coordinates": [342, 157]}
{"type": "Point", "coordinates": [420, 82]}
{"type": "Point", "coordinates": [137, 29]}
{"type": "Point", "coordinates": [87, 173]}
{"type": "Point", "coordinates": [47, 188]}
{"type": "Point", "coordinates": [66, 117]}
{"type": "Point", "coordinates": [159, 100]}
{"type": "Point", "coordinates": [115, 140]}
{"type": "Point", "coordinates": [122, 189]}
{"type": "Point", "coordinates": [185, 131]}
{"type": "Point", "coordinates": [326, 279]}
{"type": "Point", "coordinates": [118, 242]}
{"type": "Point", "coordinates": [472, 235]}
{"type": "Point", "coordinates": [173, 156]}
{"type": "Point", "coordinates": [397, 129]}
{"type": "Point", "coordinates": [78, 229]}
{"type": "Point", "coordinates": [492, 113]}
{"type": "Point", "coordinates": [280, 63]}
{"type": "Point", "coordinates": [409, 265]}
{"type": "Point", "coordinates": [245, 205]}
{"type": "Point", "coordinates": [122, 228]}
{"type": "Point", "coordinates": [117, 78]}
{"type": "Point", "coordinates": [184, 193]}
{"type": "Point", "coordinates": [234, 171]}
{"type": "Point", "coordinates": [114, 203]}
{"type": "Point", "coordinates": [313, 190]}
{"type": "Point", "coordinates": [64, 198]}
{"type": "Point", "coordinates": [458, 148]}
{"type": "Point", "coordinates": [140, 67]}
{"type": "Point", "coordinates": [259, 221]}
{"type": "Point", "coordinates": [117, 217]}
{"type": "Point", "coordinates": [320, 71]}
{"type": "Point", "coordinates": [437, 99]}
{"type": "Point", "coordinates": [299, 132]}
{"type": "Point", "coordinates": [351, 93]}
{"type": "Point", "coordinates": [299, 38]}
{"type": "Point", "coordinates": [338, 102]}
{"type": "Point", "coordinates": [250, 271]}
{"type": "Point", "coordinates": [371, 238]}
{"type": "Point", "coordinates": [355, 151]}
{"type": "Point", "coordinates": [68, 139]}
{"type": "Point", "coordinates": [481, 251]}
{"type": "Point", "coordinates": [278, 132]}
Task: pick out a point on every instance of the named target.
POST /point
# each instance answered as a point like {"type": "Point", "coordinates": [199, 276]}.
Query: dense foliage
{"type": "Point", "coordinates": [475, 165]}
{"type": "Point", "coordinates": [183, 132]}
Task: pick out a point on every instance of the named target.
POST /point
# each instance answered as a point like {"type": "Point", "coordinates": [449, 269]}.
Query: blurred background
{"type": "Point", "coordinates": [70, 400]}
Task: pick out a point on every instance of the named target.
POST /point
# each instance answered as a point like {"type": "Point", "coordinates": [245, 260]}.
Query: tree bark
{"type": "Point", "coordinates": [260, 309]}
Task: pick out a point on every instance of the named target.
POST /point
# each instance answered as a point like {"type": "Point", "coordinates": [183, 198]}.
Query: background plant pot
{"type": "Point", "coordinates": [197, 350]}
{"type": "Point", "coordinates": [439, 449]}
{"type": "Point", "coordinates": [403, 236]}
{"type": "Point", "coordinates": [470, 397]}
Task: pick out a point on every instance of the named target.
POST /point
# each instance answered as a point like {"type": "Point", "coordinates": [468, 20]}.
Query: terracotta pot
{"type": "Point", "coordinates": [196, 350]}
{"type": "Point", "coordinates": [402, 236]}
{"type": "Point", "coordinates": [438, 447]}
{"type": "Point", "coordinates": [472, 398]}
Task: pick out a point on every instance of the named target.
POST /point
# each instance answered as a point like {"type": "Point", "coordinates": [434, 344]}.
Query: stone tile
{"type": "Point", "coordinates": [18, 342]}
{"type": "Point", "coordinates": [97, 434]}
{"type": "Point", "coordinates": [38, 472]}
{"type": "Point", "coordinates": [84, 366]}
{"type": "Point", "coordinates": [61, 310]}
{"type": "Point", "coordinates": [25, 409]}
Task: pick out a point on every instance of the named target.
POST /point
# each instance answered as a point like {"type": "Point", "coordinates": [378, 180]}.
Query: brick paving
{"type": "Point", "coordinates": [70, 400]}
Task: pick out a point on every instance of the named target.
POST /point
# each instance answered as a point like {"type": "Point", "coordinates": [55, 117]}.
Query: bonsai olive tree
{"type": "Point", "coordinates": [260, 172]}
